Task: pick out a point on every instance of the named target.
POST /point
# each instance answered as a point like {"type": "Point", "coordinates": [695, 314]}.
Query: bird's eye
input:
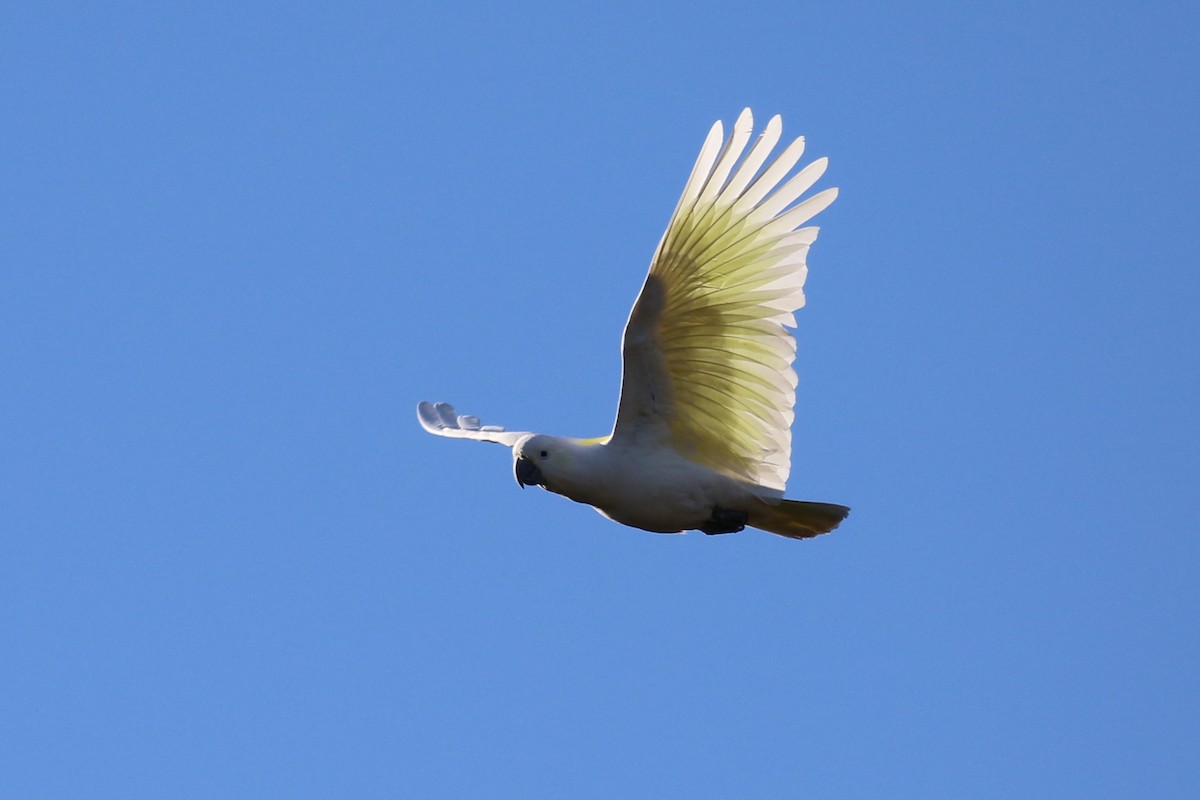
{"type": "Point", "coordinates": [545, 454]}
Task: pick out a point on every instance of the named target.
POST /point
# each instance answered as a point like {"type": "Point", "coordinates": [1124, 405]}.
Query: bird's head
{"type": "Point", "coordinates": [533, 456]}
{"type": "Point", "coordinates": [546, 461]}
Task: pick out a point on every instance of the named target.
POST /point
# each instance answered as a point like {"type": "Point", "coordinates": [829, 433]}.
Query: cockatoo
{"type": "Point", "coordinates": [702, 439]}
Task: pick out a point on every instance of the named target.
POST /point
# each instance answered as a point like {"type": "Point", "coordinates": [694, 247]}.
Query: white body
{"type": "Point", "coordinates": [654, 489]}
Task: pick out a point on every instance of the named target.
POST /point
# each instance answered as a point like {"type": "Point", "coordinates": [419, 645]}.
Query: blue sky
{"type": "Point", "coordinates": [239, 242]}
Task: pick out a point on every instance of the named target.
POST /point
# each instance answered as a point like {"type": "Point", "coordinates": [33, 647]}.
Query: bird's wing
{"type": "Point", "coordinates": [707, 361]}
{"type": "Point", "coordinates": [441, 419]}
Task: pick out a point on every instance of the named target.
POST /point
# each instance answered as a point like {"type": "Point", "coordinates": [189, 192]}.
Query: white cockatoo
{"type": "Point", "coordinates": [702, 438]}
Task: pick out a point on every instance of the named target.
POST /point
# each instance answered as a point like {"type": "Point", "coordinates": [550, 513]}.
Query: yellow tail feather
{"type": "Point", "coordinates": [797, 519]}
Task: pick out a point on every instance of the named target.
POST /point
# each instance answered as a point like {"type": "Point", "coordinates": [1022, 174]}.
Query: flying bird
{"type": "Point", "coordinates": [702, 439]}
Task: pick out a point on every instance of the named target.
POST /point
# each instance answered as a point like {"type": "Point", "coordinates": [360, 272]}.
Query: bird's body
{"type": "Point", "coordinates": [652, 488]}
{"type": "Point", "coordinates": [702, 439]}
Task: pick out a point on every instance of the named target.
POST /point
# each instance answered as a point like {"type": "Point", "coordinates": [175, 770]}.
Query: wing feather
{"type": "Point", "coordinates": [707, 354]}
{"type": "Point", "coordinates": [754, 160]}
{"type": "Point", "coordinates": [790, 192]}
{"type": "Point", "coordinates": [729, 156]}
{"type": "Point", "coordinates": [441, 419]}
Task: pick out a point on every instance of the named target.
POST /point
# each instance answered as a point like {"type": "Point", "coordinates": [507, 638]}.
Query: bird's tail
{"type": "Point", "coordinates": [797, 519]}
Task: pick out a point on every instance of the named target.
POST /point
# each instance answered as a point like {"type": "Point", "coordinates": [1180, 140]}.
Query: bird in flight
{"type": "Point", "coordinates": [702, 439]}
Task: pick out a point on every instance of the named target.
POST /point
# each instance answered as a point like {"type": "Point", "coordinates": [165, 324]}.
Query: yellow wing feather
{"type": "Point", "coordinates": [707, 359]}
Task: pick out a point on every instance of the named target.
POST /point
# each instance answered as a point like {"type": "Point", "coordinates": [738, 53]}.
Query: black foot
{"type": "Point", "coordinates": [725, 521]}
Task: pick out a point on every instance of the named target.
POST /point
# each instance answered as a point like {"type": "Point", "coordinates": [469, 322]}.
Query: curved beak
{"type": "Point", "coordinates": [527, 473]}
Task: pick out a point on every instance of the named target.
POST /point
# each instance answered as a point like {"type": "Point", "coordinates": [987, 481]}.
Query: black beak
{"type": "Point", "coordinates": [527, 473]}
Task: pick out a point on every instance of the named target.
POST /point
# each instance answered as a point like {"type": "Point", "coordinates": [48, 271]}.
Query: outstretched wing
{"type": "Point", "coordinates": [707, 360]}
{"type": "Point", "coordinates": [441, 419]}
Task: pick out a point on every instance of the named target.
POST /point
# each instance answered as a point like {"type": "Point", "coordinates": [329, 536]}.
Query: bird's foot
{"type": "Point", "coordinates": [724, 520]}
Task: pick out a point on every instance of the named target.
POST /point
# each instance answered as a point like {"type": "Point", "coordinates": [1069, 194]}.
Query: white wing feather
{"type": "Point", "coordinates": [442, 420]}
{"type": "Point", "coordinates": [707, 357]}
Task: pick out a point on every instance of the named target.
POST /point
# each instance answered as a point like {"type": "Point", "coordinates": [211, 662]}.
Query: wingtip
{"type": "Point", "coordinates": [427, 416]}
{"type": "Point", "coordinates": [436, 416]}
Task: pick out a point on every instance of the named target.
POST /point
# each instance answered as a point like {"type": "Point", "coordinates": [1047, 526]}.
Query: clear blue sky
{"type": "Point", "coordinates": [240, 241]}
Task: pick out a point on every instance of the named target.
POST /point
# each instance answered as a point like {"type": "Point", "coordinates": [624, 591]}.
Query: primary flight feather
{"type": "Point", "coordinates": [702, 438]}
